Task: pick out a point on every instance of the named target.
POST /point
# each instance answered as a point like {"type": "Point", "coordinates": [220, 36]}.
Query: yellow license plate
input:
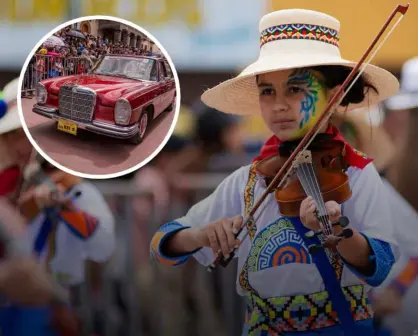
{"type": "Point", "coordinates": [67, 126]}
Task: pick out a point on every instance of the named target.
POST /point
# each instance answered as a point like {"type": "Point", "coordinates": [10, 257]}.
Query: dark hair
{"type": "Point", "coordinates": [336, 75]}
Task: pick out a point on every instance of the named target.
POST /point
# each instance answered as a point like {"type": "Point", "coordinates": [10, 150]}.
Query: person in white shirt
{"type": "Point", "coordinates": [291, 288]}
{"type": "Point", "coordinates": [63, 232]}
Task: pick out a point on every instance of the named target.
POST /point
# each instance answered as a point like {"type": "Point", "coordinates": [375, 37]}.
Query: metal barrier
{"type": "Point", "coordinates": [139, 297]}
{"type": "Point", "coordinates": [43, 67]}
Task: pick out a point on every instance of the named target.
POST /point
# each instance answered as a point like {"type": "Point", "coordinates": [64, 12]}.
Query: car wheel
{"type": "Point", "coordinates": [142, 129]}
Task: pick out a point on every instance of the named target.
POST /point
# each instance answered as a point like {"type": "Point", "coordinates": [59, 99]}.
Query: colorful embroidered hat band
{"type": "Point", "coordinates": [300, 32]}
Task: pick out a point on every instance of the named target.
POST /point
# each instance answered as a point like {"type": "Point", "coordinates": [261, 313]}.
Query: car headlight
{"type": "Point", "coordinates": [41, 93]}
{"type": "Point", "coordinates": [123, 112]}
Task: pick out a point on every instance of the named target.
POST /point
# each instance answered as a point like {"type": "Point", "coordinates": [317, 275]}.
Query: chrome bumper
{"type": "Point", "coordinates": [99, 127]}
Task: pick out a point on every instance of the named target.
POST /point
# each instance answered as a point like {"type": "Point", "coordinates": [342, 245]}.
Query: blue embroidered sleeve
{"type": "Point", "coordinates": [383, 258]}
{"type": "Point", "coordinates": [164, 232]}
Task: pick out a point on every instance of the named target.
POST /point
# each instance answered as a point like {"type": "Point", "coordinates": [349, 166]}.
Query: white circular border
{"type": "Point", "coordinates": [156, 151]}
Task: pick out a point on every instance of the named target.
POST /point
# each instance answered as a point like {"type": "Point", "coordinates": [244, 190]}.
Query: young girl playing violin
{"type": "Point", "coordinates": [291, 287]}
{"type": "Point", "coordinates": [68, 221]}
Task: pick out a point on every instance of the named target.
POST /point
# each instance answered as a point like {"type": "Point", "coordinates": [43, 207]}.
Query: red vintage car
{"type": "Point", "coordinates": [119, 97]}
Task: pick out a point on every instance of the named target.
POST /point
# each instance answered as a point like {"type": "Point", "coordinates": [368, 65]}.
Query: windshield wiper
{"type": "Point", "coordinates": [110, 74]}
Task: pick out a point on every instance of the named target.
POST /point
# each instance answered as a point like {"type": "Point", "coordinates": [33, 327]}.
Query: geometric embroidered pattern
{"type": "Point", "coordinates": [251, 227]}
{"type": "Point", "coordinates": [277, 244]}
{"type": "Point", "coordinates": [303, 312]}
{"type": "Point", "coordinates": [248, 200]}
{"type": "Point", "coordinates": [300, 32]}
{"type": "Point", "coordinates": [335, 261]}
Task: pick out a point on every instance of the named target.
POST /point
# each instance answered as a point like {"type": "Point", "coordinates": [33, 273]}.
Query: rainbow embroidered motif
{"type": "Point", "coordinates": [300, 32]}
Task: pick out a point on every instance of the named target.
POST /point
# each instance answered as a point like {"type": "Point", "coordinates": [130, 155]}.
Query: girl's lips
{"type": "Point", "coordinates": [285, 124]}
{"type": "Point", "coordinates": [279, 121]}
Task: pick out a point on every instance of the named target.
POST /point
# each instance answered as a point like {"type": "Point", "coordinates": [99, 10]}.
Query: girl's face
{"type": "Point", "coordinates": [291, 101]}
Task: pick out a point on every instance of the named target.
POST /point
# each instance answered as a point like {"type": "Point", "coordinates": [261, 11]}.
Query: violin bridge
{"type": "Point", "coordinates": [303, 157]}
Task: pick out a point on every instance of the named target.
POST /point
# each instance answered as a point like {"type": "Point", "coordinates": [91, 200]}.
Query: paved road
{"type": "Point", "coordinates": [91, 153]}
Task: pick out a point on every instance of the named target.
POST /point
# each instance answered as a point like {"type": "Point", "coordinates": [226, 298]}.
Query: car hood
{"type": "Point", "coordinates": [109, 88]}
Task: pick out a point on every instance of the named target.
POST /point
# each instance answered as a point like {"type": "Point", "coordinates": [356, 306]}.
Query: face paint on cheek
{"type": "Point", "coordinates": [313, 103]}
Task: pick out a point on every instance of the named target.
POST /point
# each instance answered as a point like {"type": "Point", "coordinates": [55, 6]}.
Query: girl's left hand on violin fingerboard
{"type": "Point", "coordinates": [308, 213]}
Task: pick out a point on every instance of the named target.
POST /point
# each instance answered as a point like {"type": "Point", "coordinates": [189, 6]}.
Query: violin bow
{"type": "Point", "coordinates": [336, 100]}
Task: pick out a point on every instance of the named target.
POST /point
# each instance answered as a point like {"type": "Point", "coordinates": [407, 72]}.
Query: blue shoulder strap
{"type": "Point", "coordinates": [331, 282]}
{"type": "Point", "coordinates": [47, 226]}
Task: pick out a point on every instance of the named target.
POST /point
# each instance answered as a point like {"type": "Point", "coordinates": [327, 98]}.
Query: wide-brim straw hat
{"type": "Point", "coordinates": [289, 39]}
{"type": "Point", "coordinates": [10, 121]}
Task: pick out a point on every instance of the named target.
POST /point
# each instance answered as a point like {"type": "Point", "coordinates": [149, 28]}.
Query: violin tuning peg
{"type": "Point", "coordinates": [346, 234]}
{"type": "Point", "coordinates": [344, 221]}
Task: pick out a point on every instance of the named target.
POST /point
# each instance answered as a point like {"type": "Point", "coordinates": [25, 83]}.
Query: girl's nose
{"type": "Point", "coordinates": [280, 103]}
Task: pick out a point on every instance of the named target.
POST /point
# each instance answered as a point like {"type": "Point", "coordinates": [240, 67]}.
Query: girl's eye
{"type": "Point", "coordinates": [295, 89]}
{"type": "Point", "coordinates": [266, 92]}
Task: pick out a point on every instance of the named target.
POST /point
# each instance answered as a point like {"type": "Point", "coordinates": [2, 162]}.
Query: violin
{"type": "Point", "coordinates": [59, 181]}
{"type": "Point", "coordinates": [324, 164]}
{"type": "Point", "coordinates": [316, 178]}
{"type": "Point", "coordinates": [318, 172]}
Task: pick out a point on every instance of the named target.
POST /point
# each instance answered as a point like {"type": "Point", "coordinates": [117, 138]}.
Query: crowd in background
{"type": "Point", "coordinates": [188, 301]}
{"type": "Point", "coordinates": [71, 52]}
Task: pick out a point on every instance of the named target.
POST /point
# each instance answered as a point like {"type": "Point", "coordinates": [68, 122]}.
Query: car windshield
{"type": "Point", "coordinates": [136, 68]}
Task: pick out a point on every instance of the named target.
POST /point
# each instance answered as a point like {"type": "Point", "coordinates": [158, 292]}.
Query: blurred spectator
{"type": "Point", "coordinates": [215, 133]}
{"type": "Point", "coordinates": [392, 146]}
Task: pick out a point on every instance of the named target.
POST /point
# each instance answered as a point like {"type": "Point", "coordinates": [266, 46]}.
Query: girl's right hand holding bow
{"type": "Point", "coordinates": [219, 235]}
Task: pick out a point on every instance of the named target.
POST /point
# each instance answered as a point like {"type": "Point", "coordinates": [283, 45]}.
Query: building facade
{"type": "Point", "coordinates": [116, 33]}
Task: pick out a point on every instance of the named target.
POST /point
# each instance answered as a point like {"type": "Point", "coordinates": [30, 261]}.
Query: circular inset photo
{"type": "Point", "coordinates": [99, 97]}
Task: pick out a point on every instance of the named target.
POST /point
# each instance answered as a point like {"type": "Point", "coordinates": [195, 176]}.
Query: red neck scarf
{"type": "Point", "coordinates": [353, 157]}
{"type": "Point", "coordinates": [9, 178]}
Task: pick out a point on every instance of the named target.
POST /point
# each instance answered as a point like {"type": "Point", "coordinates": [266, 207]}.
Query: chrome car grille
{"type": "Point", "coordinates": [77, 103]}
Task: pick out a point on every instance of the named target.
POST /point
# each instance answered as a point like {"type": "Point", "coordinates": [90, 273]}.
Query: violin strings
{"type": "Point", "coordinates": [310, 189]}
{"type": "Point", "coordinates": [321, 200]}
{"type": "Point", "coordinates": [318, 198]}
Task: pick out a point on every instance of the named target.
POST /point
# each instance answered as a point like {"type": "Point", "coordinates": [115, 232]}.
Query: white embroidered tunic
{"type": "Point", "coordinates": [72, 250]}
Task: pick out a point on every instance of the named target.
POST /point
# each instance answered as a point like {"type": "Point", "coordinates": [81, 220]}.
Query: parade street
{"type": "Point", "coordinates": [91, 153]}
